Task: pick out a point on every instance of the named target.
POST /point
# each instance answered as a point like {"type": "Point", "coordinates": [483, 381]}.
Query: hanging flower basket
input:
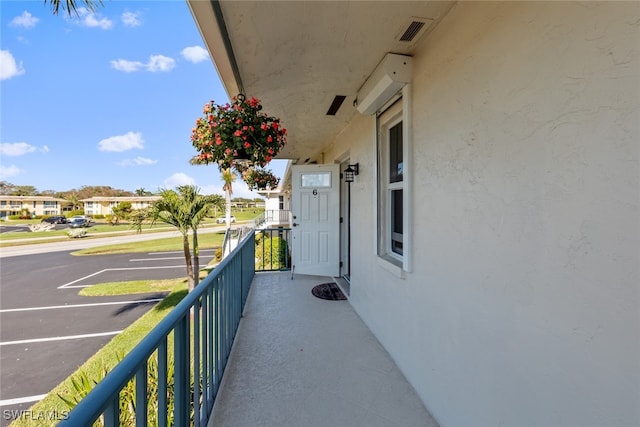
{"type": "Point", "coordinates": [237, 135]}
{"type": "Point", "coordinates": [260, 179]}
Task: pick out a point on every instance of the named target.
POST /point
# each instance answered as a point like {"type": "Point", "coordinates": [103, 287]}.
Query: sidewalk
{"type": "Point", "coordinates": [301, 361]}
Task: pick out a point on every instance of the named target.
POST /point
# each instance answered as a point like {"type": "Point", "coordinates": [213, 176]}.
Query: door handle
{"type": "Point", "coordinates": [294, 224]}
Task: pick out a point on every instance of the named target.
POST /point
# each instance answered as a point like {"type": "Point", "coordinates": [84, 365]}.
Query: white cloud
{"type": "Point", "coordinates": [44, 149]}
{"type": "Point", "coordinates": [160, 63]}
{"type": "Point", "coordinates": [8, 66]}
{"type": "Point", "coordinates": [93, 20]}
{"type": "Point", "coordinates": [131, 19]}
{"type": "Point", "coordinates": [156, 63]}
{"type": "Point", "coordinates": [127, 66]}
{"type": "Point", "coordinates": [122, 142]}
{"type": "Point", "coordinates": [177, 179]}
{"type": "Point", "coordinates": [26, 20]}
{"type": "Point", "coordinates": [195, 54]}
{"type": "Point", "coordinates": [138, 161]}
{"type": "Point", "coordinates": [9, 171]}
{"type": "Point", "coordinates": [16, 148]}
{"type": "Point", "coordinates": [240, 189]}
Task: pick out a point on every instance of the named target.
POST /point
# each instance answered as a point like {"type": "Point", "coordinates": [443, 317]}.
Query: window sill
{"type": "Point", "coordinates": [392, 265]}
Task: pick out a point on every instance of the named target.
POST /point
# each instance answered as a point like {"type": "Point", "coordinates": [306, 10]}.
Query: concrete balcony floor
{"type": "Point", "coordinates": [302, 361]}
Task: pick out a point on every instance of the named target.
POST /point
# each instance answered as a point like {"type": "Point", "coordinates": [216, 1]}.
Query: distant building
{"type": "Point", "coordinates": [99, 205]}
{"type": "Point", "coordinates": [36, 205]}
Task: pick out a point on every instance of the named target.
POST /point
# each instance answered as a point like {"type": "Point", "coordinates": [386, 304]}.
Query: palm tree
{"type": "Point", "coordinates": [71, 6]}
{"type": "Point", "coordinates": [74, 201]}
{"type": "Point", "coordinates": [198, 206]}
{"type": "Point", "coordinates": [184, 209]}
{"type": "Point", "coordinates": [228, 177]}
{"type": "Point", "coordinates": [141, 192]}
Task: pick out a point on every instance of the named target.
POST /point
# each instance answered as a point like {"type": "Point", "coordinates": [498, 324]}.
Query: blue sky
{"type": "Point", "coordinates": [105, 99]}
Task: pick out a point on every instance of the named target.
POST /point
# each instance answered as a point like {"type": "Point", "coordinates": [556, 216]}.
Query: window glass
{"type": "Point", "coordinates": [315, 180]}
{"type": "Point", "coordinates": [396, 221]}
{"type": "Point", "coordinates": [395, 153]}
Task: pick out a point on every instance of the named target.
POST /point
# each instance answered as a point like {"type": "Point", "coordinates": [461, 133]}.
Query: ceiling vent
{"type": "Point", "coordinates": [414, 29]}
{"type": "Point", "coordinates": [335, 105]}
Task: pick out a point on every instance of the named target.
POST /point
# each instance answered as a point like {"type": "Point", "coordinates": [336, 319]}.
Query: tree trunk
{"type": "Point", "coordinates": [196, 259]}
{"type": "Point", "coordinates": [187, 257]}
{"type": "Point", "coordinates": [227, 198]}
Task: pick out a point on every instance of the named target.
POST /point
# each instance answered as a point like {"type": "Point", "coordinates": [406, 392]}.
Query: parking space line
{"type": "Point", "coordinates": [155, 259]}
{"type": "Point", "coordinates": [179, 252]}
{"type": "Point", "coordinates": [68, 285]}
{"type": "Point", "coordinates": [68, 337]}
{"type": "Point", "coordinates": [54, 307]}
{"type": "Point", "coordinates": [19, 400]}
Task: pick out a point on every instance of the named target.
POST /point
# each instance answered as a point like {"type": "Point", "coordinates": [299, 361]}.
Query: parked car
{"type": "Point", "coordinates": [85, 217]}
{"type": "Point", "coordinates": [77, 222]}
{"type": "Point", "coordinates": [223, 219]}
{"type": "Point", "coordinates": [58, 219]}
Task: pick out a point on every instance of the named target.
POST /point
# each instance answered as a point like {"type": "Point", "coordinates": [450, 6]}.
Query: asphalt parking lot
{"type": "Point", "coordinates": [47, 330]}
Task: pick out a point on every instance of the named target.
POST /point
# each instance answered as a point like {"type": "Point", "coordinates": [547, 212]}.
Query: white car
{"type": "Point", "coordinates": [223, 219]}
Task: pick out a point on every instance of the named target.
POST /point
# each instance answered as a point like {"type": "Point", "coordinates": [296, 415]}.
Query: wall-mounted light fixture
{"type": "Point", "coordinates": [351, 171]}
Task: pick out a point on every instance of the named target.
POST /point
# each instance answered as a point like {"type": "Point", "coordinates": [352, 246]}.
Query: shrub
{"type": "Point", "coordinates": [272, 253]}
{"type": "Point", "coordinates": [82, 384]}
{"type": "Point", "coordinates": [76, 233]}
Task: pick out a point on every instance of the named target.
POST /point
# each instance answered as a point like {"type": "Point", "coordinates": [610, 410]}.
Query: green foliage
{"type": "Point", "coordinates": [82, 384]}
{"type": "Point", "coordinates": [75, 212]}
{"type": "Point", "coordinates": [122, 211]}
{"type": "Point", "coordinates": [272, 253]}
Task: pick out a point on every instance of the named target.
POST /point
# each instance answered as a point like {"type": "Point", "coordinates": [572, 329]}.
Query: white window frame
{"type": "Point", "coordinates": [394, 112]}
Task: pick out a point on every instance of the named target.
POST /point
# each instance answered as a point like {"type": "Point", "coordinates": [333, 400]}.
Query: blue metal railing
{"type": "Point", "coordinates": [213, 310]}
{"type": "Point", "coordinates": [273, 249]}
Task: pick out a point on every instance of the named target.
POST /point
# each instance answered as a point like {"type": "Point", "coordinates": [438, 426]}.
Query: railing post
{"type": "Point", "coordinates": [181, 373]}
{"type": "Point", "coordinates": [141, 396]}
{"type": "Point", "coordinates": [162, 383]}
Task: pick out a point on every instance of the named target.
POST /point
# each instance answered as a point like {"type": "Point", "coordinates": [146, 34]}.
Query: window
{"type": "Point", "coordinates": [281, 203]}
{"type": "Point", "coordinates": [391, 185]}
{"type": "Point", "coordinates": [315, 180]}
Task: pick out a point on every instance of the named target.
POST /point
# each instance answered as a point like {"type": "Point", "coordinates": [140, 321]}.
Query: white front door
{"type": "Point", "coordinates": [315, 200]}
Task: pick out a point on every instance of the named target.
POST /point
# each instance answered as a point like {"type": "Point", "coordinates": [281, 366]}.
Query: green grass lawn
{"type": "Point", "coordinates": [121, 344]}
{"type": "Point", "coordinates": [205, 241]}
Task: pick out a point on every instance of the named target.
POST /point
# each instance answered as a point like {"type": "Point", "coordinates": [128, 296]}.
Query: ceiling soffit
{"type": "Point", "coordinates": [296, 56]}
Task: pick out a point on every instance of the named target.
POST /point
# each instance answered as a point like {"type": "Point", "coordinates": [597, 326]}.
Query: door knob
{"type": "Point", "coordinates": [294, 224]}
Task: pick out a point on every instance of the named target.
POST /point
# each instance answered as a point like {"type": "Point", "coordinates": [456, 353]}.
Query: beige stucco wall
{"type": "Point", "coordinates": [523, 305]}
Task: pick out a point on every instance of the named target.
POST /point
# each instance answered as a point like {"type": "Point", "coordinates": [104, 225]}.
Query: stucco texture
{"type": "Point", "coordinates": [522, 306]}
